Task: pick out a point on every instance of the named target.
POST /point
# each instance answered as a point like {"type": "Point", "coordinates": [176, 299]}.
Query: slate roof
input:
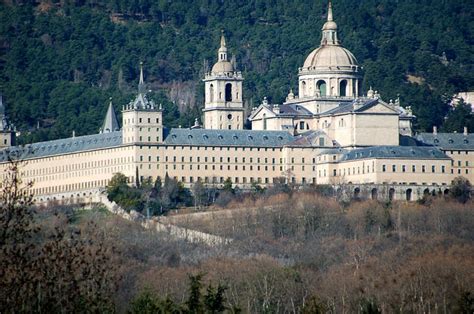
{"type": "Point", "coordinates": [344, 108]}
{"type": "Point", "coordinates": [63, 146]}
{"type": "Point", "coordinates": [448, 141]}
{"type": "Point", "coordinates": [246, 138]}
{"type": "Point", "coordinates": [294, 110]}
{"type": "Point", "coordinates": [311, 138]}
{"type": "Point", "coordinates": [110, 122]}
{"type": "Point", "coordinates": [395, 152]}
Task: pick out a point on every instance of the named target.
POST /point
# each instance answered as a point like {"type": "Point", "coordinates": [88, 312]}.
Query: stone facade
{"type": "Point", "coordinates": [338, 139]}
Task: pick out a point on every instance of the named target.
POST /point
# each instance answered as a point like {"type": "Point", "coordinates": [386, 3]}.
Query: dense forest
{"type": "Point", "coordinates": [60, 61]}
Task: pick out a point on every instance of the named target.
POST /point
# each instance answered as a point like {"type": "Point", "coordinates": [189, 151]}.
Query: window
{"type": "Point", "coordinates": [321, 87]}
{"type": "Point", "coordinates": [228, 92]}
{"type": "Point", "coordinates": [443, 169]}
{"type": "Point", "coordinates": [384, 168]}
{"type": "Point", "coordinates": [343, 88]}
{"type": "Point", "coordinates": [433, 168]}
{"type": "Point", "coordinates": [423, 168]}
{"type": "Point", "coordinates": [413, 168]}
{"type": "Point", "coordinates": [403, 168]}
{"type": "Point", "coordinates": [394, 168]}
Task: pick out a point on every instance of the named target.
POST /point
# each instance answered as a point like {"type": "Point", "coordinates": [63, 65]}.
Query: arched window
{"type": "Point", "coordinates": [303, 87]}
{"type": "Point", "coordinates": [343, 88]}
{"type": "Point", "coordinates": [211, 93]}
{"type": "Point", "coordinates": [264, 121]}
{"type": "Point", "coordinates": [321, 86]}
{"type": "Point", "coordinates": [228, 92]}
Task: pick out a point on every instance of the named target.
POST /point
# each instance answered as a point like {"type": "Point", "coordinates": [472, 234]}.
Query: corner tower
{"type": "Point", "coordinates": [142, 120]}
{"type": "Point", "coordinates": [223, 105]}
{"type": "Point", "coordinates": [7, 131]}
{"type": "Point", "coordinates": [330, 71]}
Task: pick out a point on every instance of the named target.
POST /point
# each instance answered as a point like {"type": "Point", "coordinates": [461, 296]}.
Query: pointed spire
{"type": "Point", "coordinates": [330, 29]}
{"type": "Point", "coordinates": [223, 44]}
{"type": "Point", "coordinates": [110, 122]}
{"type": "Point", "coordinates": [222, 53]}
{"type": "Point", "coordinates": [141, 83]}
{"type": "Point", "coordinates": [330, 18]}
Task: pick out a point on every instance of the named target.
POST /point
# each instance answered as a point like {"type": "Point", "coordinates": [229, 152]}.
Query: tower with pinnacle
{"type": "Point", "coordinates": [142, 119]}
{"type": "Point", "coordinates": [223, 106]}
{"type": "Point", "coordinates": [7, 130]}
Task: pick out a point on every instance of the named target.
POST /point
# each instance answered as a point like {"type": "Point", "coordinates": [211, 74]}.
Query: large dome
{"type": "Point", "coordinates": [222, 66]}
{"type": "Point", "coordinates": [330, 56]}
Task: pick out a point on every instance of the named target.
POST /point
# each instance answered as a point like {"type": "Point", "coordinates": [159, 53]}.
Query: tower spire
{"type": "Point", "coordinates": [141, 83]}
{"type": "Point", "coordinates": [329, 29]}
{"type": "Point", "coordinates": [110, 122]}
{"type": "Point", "coordinates": [222, 53]}
{"type": "Point", "coordinates": [330, 18]}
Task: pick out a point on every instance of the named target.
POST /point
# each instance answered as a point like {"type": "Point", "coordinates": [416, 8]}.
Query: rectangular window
{"type": "Point", "coordinates": [384, 168]}
{"type": "Point", "coordinates": [413, 168]}
{"type": "Point", "coordinates": [403, 168]}
{"type": "Point", "coordinates": [443, 169]}
{"type": "Point", "coordinates": [394, 168]}
{"type": "Point", "coordinates": [433, 168]}
{"type": "Point", "coordinates": [423, 168]}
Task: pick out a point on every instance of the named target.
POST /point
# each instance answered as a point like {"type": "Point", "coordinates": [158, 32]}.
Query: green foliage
{"type": "Point", "coordinates": [147, 303]}
{"type": "Point", "coordinates": [461, 189]}
{"type": "Point", "coordinates": [60, 62]}
{"type": "Point", "coordinates": [228, 185]}
{"type": "Point", "coordinates": [212, 302]}
{"type": "Point", "coordinates": [459, 117]}
{"type": "Point", "coordinates": [314, 306]}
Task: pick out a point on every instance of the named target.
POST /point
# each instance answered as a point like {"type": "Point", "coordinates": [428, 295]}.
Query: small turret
{"type": "Point", "coordinates": [110, 122]}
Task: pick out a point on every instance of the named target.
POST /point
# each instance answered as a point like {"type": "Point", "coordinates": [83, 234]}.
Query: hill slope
{"type": "Point", "coordinates": [60, 62]}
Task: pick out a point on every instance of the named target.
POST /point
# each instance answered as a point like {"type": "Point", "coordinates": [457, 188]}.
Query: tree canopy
{"type": "Point", "coordinates": [60, 61]}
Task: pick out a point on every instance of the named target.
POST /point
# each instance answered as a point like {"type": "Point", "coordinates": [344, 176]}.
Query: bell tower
{"type": "Point", "coordinates": [223, 106]}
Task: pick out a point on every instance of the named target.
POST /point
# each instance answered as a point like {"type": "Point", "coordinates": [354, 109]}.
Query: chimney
{"type": "Point", "coordinates": [435, 130]}
{"type": "Point", "coordinates": [465, 131]}
{"type": "Point", "coordinates": [276, 109]}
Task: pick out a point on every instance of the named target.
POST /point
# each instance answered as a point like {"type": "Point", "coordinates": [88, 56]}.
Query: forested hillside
{"type": "Point", "coordinates": [60, 61]}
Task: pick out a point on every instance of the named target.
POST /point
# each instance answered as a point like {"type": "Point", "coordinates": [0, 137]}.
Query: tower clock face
{"type": "Point", "coordinates": [229, 116]}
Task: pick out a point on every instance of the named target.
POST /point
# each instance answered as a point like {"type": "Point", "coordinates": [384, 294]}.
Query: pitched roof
{"type": "Point", "coordinates": [311, 138]}
{"type": "Point", "coordinates": [447, 141]}
{"type": "Point", "coordinates": [394, 152]}
{"type": "Point", "coordinates": [358, 105]}
{"type": "Point", "coordinates": [110, 122]}
{"type": "Point", "coordinates": [294, 110]}
{"type": "Point", "coordinates": [63, 146]}
{"type": "Point", "coordinates": [246, 138]}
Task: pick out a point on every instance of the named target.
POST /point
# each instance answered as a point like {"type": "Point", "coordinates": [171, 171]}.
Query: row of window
{"type": "Point", "coordinates": [413, 168]}
{"type": "Point", "coordinates": [140, 120]}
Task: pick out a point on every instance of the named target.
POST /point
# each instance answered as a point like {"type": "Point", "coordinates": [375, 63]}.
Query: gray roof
{"type": "Point", "coordinates": [357, 105]}
{"type": "Point", "coordinates": [246, 138]}
{"type": "Point", "coordinates": [63, 146]}
{"type": "Point", "coordinates": [395, 152]}
{"type": "Point", "coordinates": [447, 141]}
{"type": "Point", "coordinates": [110, 122]}
{"type": "Point", "coordinates": [311, 138]}
{"type": "Point", "coordinates": [294, 110]}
